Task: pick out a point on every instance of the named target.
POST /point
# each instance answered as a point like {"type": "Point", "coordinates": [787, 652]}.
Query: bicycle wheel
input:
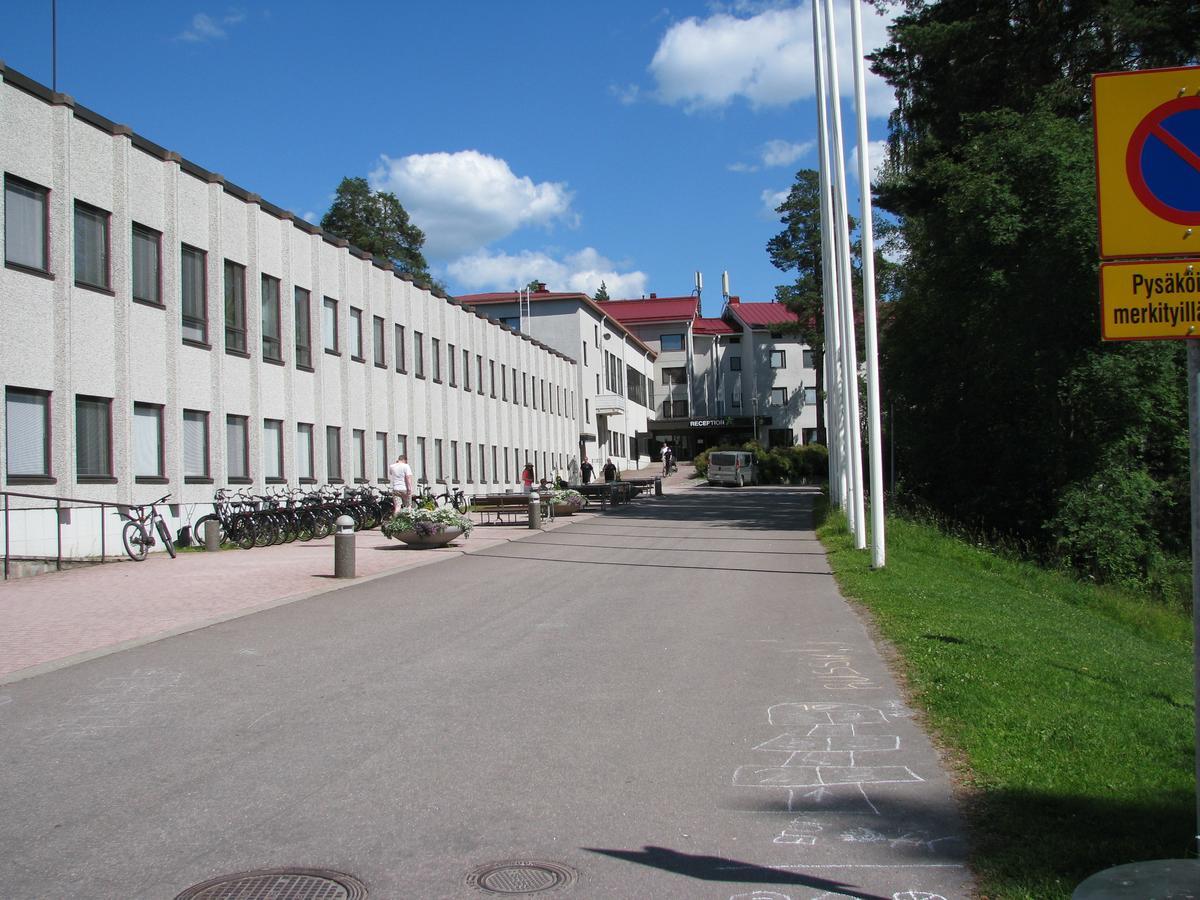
{"type": "Point", "coordinates": [265, 531]}
{"type": "Point", "coordinates": [136, 540]}
{"type": "Point", "coordinates": [241, 531]}
{"type": "Point", "coordinates": [198, 529]}
{"type": "Point", "coordinates": [460, 502]}
{"type": "Point", "coordinates": [165, 533]}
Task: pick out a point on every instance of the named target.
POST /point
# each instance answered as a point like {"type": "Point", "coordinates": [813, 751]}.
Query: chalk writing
{"type": "Point", "coordinates": [799, 831]}
{"type": "Point", "coordinates": [833, 664]}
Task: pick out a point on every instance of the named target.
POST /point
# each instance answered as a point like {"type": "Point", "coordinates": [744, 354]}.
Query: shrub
{"type": "Point", "coordinates": [425, 521]}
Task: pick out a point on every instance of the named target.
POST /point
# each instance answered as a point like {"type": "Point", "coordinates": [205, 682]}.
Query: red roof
{"type": "Point", "coordinates": [761, 315]}
{"type": "Point", "coordinates": [712, 326]}
{"type": "Point", "coordinates": [658, 309]}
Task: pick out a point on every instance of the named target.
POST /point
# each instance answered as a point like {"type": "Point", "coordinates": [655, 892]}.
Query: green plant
{"type": "Point", "coordinates": [568, 498]}
{"type": "Point", "coordinates": [424, 521]}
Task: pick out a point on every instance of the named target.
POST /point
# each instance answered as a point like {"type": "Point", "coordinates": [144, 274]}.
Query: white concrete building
{"type": "Point", "coordinates": [614, 371]}
{"type": "Point", "coordinates": [163, 330]}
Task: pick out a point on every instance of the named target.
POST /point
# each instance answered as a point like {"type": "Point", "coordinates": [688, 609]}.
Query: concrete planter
{"type": "Point", "coordinates": [428, 541]}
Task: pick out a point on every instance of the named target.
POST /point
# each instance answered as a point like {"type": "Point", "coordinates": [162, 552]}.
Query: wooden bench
{"type": "Point", "coordinates": [493, 508]}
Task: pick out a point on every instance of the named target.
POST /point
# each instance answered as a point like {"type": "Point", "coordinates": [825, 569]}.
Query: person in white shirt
{"type": "Point", "coordinates": [401, 474]}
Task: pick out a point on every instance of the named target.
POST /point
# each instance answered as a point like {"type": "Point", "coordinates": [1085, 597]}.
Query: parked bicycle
{"type": "Point", "coordinates": [138, 533]}
{"type": "Point", "coordinates": [451, 497]}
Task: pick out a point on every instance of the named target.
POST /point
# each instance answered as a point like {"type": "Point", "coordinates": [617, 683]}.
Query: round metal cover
{"type": "Point", "coordinates": [1159, 879]}
{"type": "Point", "coordinates": [278, 884]}
{"type": "Point", "coordinates": [521, 877]}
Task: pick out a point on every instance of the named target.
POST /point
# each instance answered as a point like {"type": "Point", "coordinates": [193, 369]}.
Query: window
{"type": "Point", "coordinates": [439, 471]}
{"type": "Point", "coordinates": [810, 396]}
{"type": "Point", "coordinates": [675, 409]}
{"type": "Point", "coordinates": [381, 456]}
{"type": "Point", "coordinates": [235, 307]}
{"type": "Point", "coordinates": [780, 437]}
{"type": "Point", "coordinates": [26, 224]}
{"type": "Point", "coordinates": [478, 373]}
{"type": "Point", "coordinates": [147, 265]}
{"type": "Point", "coordinates": [399, 349]}
{"type": "Point", "coordinates": [193, 267]}
{"type": "Point", "coordinates": [470, 463]}
{"type": "Point", "coordinates": [330, 325]}
{"type": "Point", "coordinates": [420, 460]}
{"type": "Point", "coordinates": [495, 469]}
{"type": "Point", "coordinates": [596, 335]}
{"type": "Point", "coordinates": [272, 341]}
{"type": "Point", "coordinates": [93, 437]}
{"type": "Point", "coordinates": [304, 452]}
{"type": "Point", "coordinates": [303, 329]}
{"type": "Point", "coordinates": [377, 333]}
{"type": "Point", "coordinates": [482, 464]}
{"type": "Point", "coordinates": [435, 357]}
{"type": "Point", "coordinates": [671, 342]}
{"type": "Point", "coordinates": [418, 354]}
{"type": "Point", "coordinates": [452, 366]}
{"type": "Point", "coordinates": [779, 396]}
{"type": "Point", "coordinates": [806, 359]}
{"type": "Point", "coordinates": [514, 385]}
{"type": "Point", "coordinates": [674, 376]}
{"type": "Point", "coordinates": [402, 445]}
{"type": "Point", "coordinates": [273, 450]}
{"type": "Point", "coordinates": [492, 376]}
{"type": "Point", "coordinates": [585, 353]}
{"type": "Point", "coordinates": [356, 335]}
{"type": "Point", "coordinates": [333, 453]}
{"type": "Point", "coordinates": [506, 472]}
{"type": "Point", "coordinates": [513, 322]}
{"type": "Point", "coordinates": [195, 445]}
{"type": "Point", "coordinates": [466, 369]}
{"type": "Point", "coordinates": [358, 446]}
{"type": "Point", "coordinates": [503, 381]}
{"type": "Point", "coordinates": [454, 461]}
{"type": "Point", "coordinates": [735, 364]}
{"type": "Point", "coordinates": [237, 448]}
{"type": "Point", "coordinates": [587, 410]}
{"type": "Point", "coordinates": [637, 385]}
{"type": "Point", "coordinates": [147, 441]}
{"type": "Point", "coordinates": [91, 246]}
{"type": "Point", "coordinates": [27, 433]}
{"type": "Point", "coordinates": [777, 359]}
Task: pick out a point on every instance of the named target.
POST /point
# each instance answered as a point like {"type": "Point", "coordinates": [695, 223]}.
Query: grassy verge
{"type": "Point", "coordinates": [1072, 706]}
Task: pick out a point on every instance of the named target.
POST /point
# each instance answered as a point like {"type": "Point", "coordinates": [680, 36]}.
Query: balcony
{"type": "Point", "coordinates": [610, 404]}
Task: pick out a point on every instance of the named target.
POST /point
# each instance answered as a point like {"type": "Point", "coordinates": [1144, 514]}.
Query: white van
{"type": "Point", "coordinates": [734, 467]}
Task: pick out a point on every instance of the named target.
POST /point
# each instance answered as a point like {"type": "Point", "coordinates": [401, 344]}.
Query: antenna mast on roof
{"type": "Point", "coordinates": [523, 309]}
{"type": "Point", "coordinates": [699, 289]}
{"type": "Point", "coordinates": [725, 286]}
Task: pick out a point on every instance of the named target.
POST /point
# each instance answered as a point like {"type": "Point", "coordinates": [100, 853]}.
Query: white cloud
{"type": "Point", "coordinates": [765, 59]}
{"type": "Point", "coordinates": [209, 28]}
{"type": "Point", "coordinates": [582, 271]}
{"type": "Point", "coordinates": [877, 151]}
{"type": "Point", "coordinates": [771, 200]}
{"type": "Point", "coordinates": [784, 153]}
{"type": "Point", "coordinates": [465, 200]}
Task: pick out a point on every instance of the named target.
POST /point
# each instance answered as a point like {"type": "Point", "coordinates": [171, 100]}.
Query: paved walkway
{"type": "Point", "coordinates": [61, 618]}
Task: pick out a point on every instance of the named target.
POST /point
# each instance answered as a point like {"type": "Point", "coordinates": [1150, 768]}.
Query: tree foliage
{"type": "Point", "coordinates": [375, 221]}
{"type": "Point", "coordinates": [992, 355]}
{"type": "Point", "coordinates": [601, 293]}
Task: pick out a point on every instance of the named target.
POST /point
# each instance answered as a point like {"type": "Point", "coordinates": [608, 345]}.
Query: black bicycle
{"type": "Point", "coordinates": [138, 533]}
{"type": "Point", "coordinates": [452, 497]}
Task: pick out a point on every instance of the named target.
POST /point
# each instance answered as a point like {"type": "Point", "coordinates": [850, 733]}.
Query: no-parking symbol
{"type": "Point", "coordinates": [1163, 161]}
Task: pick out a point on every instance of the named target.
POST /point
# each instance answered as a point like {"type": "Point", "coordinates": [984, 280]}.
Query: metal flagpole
{"type": "Point", "coordinates": [850, 356]}
{"type": "Point", "coordinates": [875, 445]}
{"type": "Point", "coordinates": [833, 344]}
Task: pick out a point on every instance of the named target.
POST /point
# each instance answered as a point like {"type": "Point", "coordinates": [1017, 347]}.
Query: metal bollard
{"type": "Point", "coordinates": [535, 510]}
{"type": "Point", "coordinates": [212, 535]}
{"type": "Point", "coordinates": [658, 487]}
{"type": "Point", "coordinates": [343, 548]}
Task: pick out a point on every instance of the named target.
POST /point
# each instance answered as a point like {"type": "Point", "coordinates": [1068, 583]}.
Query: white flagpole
{"type": "Point", "coordinates": [850, 355]}
{"type": "Point", "coordinates": [875, 448]}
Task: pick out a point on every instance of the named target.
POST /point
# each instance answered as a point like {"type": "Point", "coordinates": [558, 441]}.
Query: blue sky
{"type": "Point", "coordinates": [567, 141]}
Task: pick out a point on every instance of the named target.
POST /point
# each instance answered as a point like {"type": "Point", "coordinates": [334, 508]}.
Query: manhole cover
{"type": "Point", "coordinates": [520, 877]}
{"type": "Point", "coordinates": [278, 884]}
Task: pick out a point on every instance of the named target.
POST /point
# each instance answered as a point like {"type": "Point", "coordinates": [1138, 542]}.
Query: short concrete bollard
{"type": "Point", "coordinates": [343, 548]}
{"type": "Point", "coordinates": [658, 486]}
{"type": "Point", "coordinates": [535, 510]}
{"type": "Point", "coordinates": [212, 535]}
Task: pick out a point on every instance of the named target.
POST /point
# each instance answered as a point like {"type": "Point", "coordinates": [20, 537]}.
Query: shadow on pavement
{"type": "Point", "coordinates": [775, 508]}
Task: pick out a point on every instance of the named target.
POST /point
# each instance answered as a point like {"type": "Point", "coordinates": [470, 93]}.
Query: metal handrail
{"type": "Point", "coordinates": [58, 506]}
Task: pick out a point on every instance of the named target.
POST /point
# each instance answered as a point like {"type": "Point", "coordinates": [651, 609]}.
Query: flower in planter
{"type": "Point", "coordinates": [425, 522]}
{"type": "Point", "coordinates": [570, 498]}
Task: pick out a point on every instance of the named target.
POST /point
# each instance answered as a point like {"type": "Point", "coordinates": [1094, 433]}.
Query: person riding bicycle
{"type": "Point", "coordinates": [401, 474]}
{"type": "Point", "coordinates": [668, 460]}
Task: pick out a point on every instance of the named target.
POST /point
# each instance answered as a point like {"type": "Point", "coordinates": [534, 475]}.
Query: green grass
{"type": "Point", "coordinates": [1071, 706]}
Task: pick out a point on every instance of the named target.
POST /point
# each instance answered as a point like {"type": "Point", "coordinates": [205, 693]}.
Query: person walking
{"type": "Point", "coordinates": [668, 459]}
{"type": "Point", "coordinates": [610, 471]}
{"type": "Point", "coordinates": [586, 471]}
{"type": "Point", "coordinates": [527, 477]}
{"type": "Point", "coordinates": [401, 474]}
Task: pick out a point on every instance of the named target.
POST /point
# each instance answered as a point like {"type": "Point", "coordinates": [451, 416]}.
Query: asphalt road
{"type": "Point", "coordinates": [669, 701]}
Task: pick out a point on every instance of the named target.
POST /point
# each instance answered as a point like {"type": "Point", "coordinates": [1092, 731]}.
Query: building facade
{"type": "Point", "coordinates": [165, 331]}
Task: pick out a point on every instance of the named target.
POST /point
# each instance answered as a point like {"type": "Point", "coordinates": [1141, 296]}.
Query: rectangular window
{"type": "Point", "coordinates": [806, 359]}
{"type": "Point", "coordinates": [439, 471]}
{"type": "Point", "coordinates": [779, 396]}
{"type": "Point", "coordinates": [495, 470]}
{"type": "Point", "coordinates": [193, 268]}
{"type": "Point", "coordinates": [304, 452]}
{"type": "Point", "coordinates": [272, 327]}
{"type": "Point", "coordinates": [504, 381]}
{"type": "Point", "coordinates": [377, 332]}
{"type": "Point", "coordinates": [398, 350]}
{"type": "Point", "coordinates": [27, 433]}
{"type": "Point", "coordinates": [237, 448]}
{"type": "Point", "coordinates": [674, 376]}
{"type": "Point", "coordinates": [435, 354]}
{"type": "Point", "coordinates": [195, 444]}
{"type": "Point", "coordinates": [358, 446]}
{"type": "Point", "coordinates": [513, 322]}
{"type": "Point", "coordinates": [777, 359]}
{"type": "Point", "coordinates": [587, 410]}
{"type": "Point", "coordinates": [147, 440]}
{"type": "Point", "coordinates": [674, 409]}
{"type": "Point", "coordinates": [479, 373]}
{"type": "Point", "coordinates": [329, 328]}
{"type": "Point", "coordinates": [333, 453]}
{"type": "Point", "coordinates": [470, 463]}
{"type": "Point", "coordinates": [93, 437]}
{"type": "Point", "coordinates": [91, 246]}
{"type": "Point", "coordinates": [452, 366]}
{"type": "Point", "coordinates": [147, 265]}
{"type": "Point", "coordinates": [272, 449]}
{"type": "Point", "coordinates": [26, 224]}
{"type": "Point", "coordinates": [381, 456]}
{"type": "Point", "coordinates": [303, 302]}
{"type": "Point", "coordinates": [402, 445]}
{"type": "Point", "coordinates": [454, 461]}
{"type": "Point", "coordinates": [810, 396]}
{"type": "Point", "coordinates": [418, 354]}
{"type": "Point", "coordinates": [466, 369]}
{"type": "Point", "coordinates": [419, 468]}
{"type": "Point", "coordinates": [585, 362]}
{"type": "Point", "coordinates": [235, 307]}
{"type": "Point", "coordinates": [356, 335]}
{"type": "Point", "coordinates": [671, 342]}
{"type": "Point", "coordinates": [596, 335]}
{"type": "Point", "coordinates": [514, 386]}
{"type": "Point", "coordinates": [735, 364]}
{"type": "Point", "coordinates": [492, 376]}
{"type": "Point", "coordinates": [507, 479]}
{"type": "Point", "coordinates": [482, 464]}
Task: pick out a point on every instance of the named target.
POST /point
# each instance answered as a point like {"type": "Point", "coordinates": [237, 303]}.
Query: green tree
{"type": "Point", "coordinates": [375, 221]}
{"type": "Point", "coordinates": [601, 293]}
